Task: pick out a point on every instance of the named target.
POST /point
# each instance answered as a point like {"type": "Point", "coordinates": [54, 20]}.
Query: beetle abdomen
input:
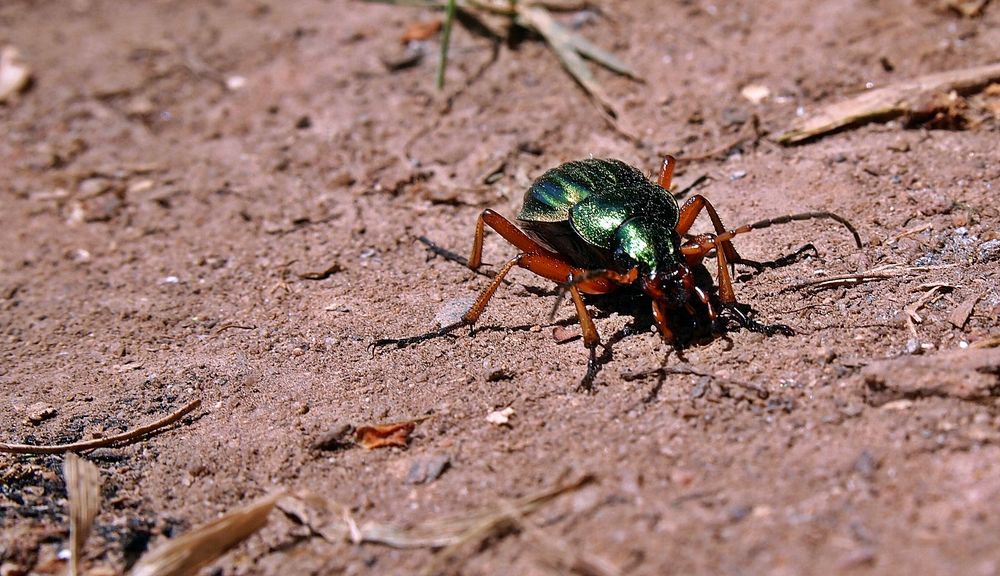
{"type": "Point", "coordinates": [563, 240]}
{"type": "Point", "coordinates": [553, 194]}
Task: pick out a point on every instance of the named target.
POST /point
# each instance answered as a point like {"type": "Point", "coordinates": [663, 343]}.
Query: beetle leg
{"type": "Point", "coordinates": [509, 232]}
{"type": "Point", "coordinates": [695, 250]}
{"type": "Point", "coordinates": [660, 317]}
{"type": "Point", "coordinates": [477, 308]}
{"type": "Point", "coordinates": [622, 279]}
{"type": "Point", "coordinates": [690, 211]}
{"type": "Point", "coordinates": [553, 269]}
{"type": "Point", "coordinates": [704, 299]}
{"type": "Point", "coordinates": [667, 172]}
{"type": "Point", "coordinates": [590, 337]}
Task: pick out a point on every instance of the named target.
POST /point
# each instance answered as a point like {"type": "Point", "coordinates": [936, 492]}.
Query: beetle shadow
{"type": "Point", "coordinates": [690, 330]}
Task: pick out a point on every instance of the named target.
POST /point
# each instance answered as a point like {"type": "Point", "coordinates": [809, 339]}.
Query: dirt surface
{"type": "Point", "coordinates": [175, 168]}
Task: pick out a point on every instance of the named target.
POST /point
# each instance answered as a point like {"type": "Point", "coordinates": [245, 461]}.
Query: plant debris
{"type": "Point", "coordinates": [890, 102]}
{"type": "Point", "coordinates": [967, 8]}
{"type": "Point", "coordinates": [420, 31]}
{"type": "Point", "coordinates": [111, 441]}
{"type": "Point", "coordinates": [322, 274]}
{"type": "Point", "coordinates": [569, 47]}
{"type": "Point", "coordinates": [15, 76]}
{"type": "Point", "coordinates": [385, 435]}
{"type": "Point", "coordinates": [960, 315]}
{"type": "Point", "coordinates": [334, 522]}
{"type": "Point", "coordinates": [83, 490]}
{"type": "Point", "coordinates": [188, 553]}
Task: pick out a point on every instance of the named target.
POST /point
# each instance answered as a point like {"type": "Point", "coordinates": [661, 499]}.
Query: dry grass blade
{"type": "Point", "coordinates": [566, 46]}
{"type": "Point", "coordinates": [83, 490]}
{"type": "Point", "coordinates": [456, 529]}
{"type": "Point", "coordinates": [889, 102]}
{"type": "Point", "coordinates": [570, 48]}
{"type": "Point", "coordinates": [558, 556]}
{"type": "Point", "coordinates": [187, 553]}
{"type": "Point", "coordinates": [334, 522]}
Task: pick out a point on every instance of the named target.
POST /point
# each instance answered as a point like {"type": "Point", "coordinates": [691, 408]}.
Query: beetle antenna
{"type": "Point", "coordinates": [807, 216]}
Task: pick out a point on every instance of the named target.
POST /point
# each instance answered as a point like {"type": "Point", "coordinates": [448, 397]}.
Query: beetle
{"type": "Point", "coordinates": [597, 225]}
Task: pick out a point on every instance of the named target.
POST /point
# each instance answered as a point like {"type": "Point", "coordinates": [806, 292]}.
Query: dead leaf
{"type": "Point", "coordinates": [83, 490]}
{"type": "Point", "coordinates": [960, 315]}
{"type": "Point", "coordinates": [890, 102]}
{"type": "Point", "coordinates": [419, 31]}
{"type": "Point", "coordinates": [383, 435]}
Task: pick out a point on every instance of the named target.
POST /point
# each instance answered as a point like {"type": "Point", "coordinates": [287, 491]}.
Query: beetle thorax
{"type": "Point", "coordinates": [655, 250]}
{"type": "Point", "coordinates": [648, 244]}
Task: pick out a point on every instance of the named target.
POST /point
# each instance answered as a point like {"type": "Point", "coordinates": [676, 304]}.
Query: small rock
{"type": "Point", "coordinates": [499, 374]}
{"type": "Point", "coordinates": [452, 311]}
{"type": "Point", "coordinates": [338, 438]}
{"type": "Point", "coordinates": [427, 470]}
{"type": "Point", "coordinates": [963, 374]}
{"type": "Point", "coordinates": [234, 83]}
{"type": "Point", "coordinates": [15, 76]}
{"type": "Point", "coordinates": [92, 187]}
{"type": "Point", "coordinates": [734, 116]}
{"type": "Point", "coordinates": [562, 334]}
{"type": "Point", "coordinates": [988, 251]}
{"type": "Point", "coordinates": [738, 175]}
{"type": "Point", "coordinates": [39, 412]}
{"type": "Point", "coordinates": [755, 93]}
{"type": "Point", "coordinates": [866, 464]}
{"type": "Point", "coordinates": [500, 417]}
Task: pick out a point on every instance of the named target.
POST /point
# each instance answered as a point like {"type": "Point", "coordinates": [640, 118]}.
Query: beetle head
{"type": "Point", "coordinates": [671, 286]}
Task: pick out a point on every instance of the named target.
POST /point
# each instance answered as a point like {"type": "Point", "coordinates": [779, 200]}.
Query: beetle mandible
{"type": "Point", "coordinates": [596, 225]}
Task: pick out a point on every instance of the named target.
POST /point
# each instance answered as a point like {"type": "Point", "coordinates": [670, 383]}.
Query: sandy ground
{"type": "Point", "coordinates": [177, 167]}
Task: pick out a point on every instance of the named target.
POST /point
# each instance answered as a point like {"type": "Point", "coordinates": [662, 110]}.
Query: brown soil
{"type": "Point", "coordinates": [156, 222]}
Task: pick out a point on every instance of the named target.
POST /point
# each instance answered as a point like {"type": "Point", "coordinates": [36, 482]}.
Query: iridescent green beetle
{"type": "Point", "coordinates": [595, 226]}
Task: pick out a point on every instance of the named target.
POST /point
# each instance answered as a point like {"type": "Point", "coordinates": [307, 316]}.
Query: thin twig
{"type": "Point", "coordinates": [119, 440]}
{"type": "Point", "coordinates": [878, 273]}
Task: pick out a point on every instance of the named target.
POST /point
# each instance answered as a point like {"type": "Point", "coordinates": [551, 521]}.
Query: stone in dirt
{"type": "Point", "coordinates": [963, 374]}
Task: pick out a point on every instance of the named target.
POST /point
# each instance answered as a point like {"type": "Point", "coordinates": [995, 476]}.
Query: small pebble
{"type": "Point", "coordinates": [734, 116]}
{"type": "Point", "coordinates": [988, 251]}
{"type": "Point", "coordinates": [500, 417]}
{"type": "Point", "coordinates": [427, 470]}
{"type": "Point", "coordinates": [738, 175]}
{"type": "Point", "coordinates": [39, 412]}
{"type": "Point", "coordinates": [339, 437]}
